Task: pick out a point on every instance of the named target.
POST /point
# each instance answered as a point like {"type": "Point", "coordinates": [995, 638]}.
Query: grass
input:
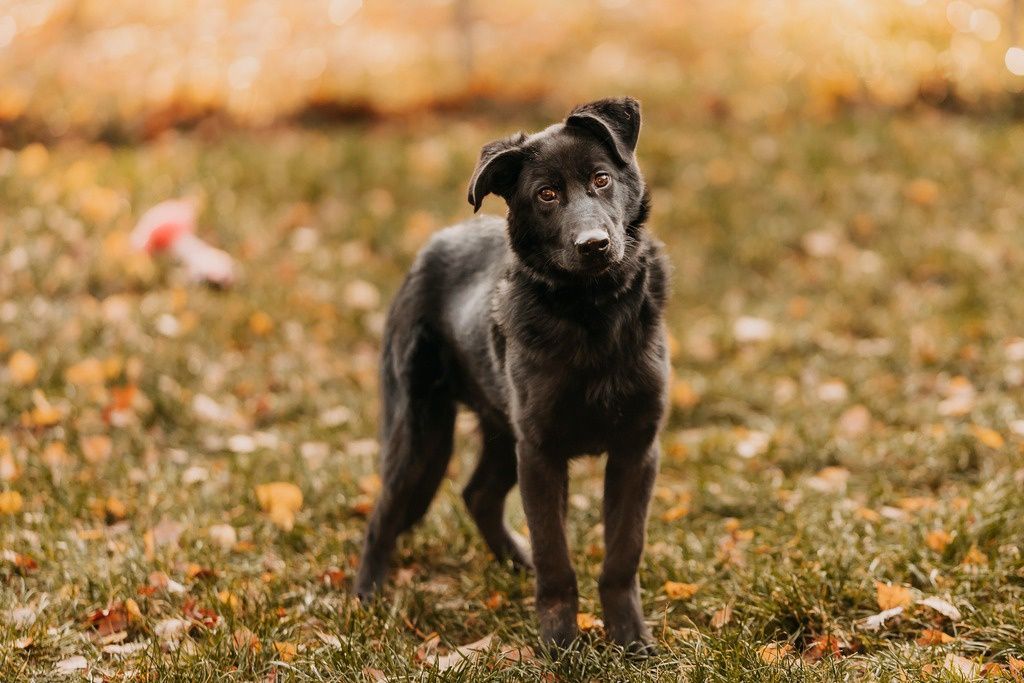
{"type": "Point", "coordinates": [873, 399]}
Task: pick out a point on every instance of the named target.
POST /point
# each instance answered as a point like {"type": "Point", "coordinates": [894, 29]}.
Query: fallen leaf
{"type": "Point", "coordinates": [941, 606]}
{"type": "Point", "coordinates": [680, 591]}
{"type": "Point", "coordinates": [855, 421]}
{"type": "Point", "coordinates": [890, 596]}
{"type": "Point", "coordinates": [96, 448]}
{"type": "Point", "coordinates": [495, 601]}
{"type": "Point", "coordinates": [172, 630]}
{"type": "Point", "coordinates": [721, 617]}
{"type": "Point", "coordinates": [281, 500]}
{"type": "Point", "coordinates": [961, 667]}
{"type": "Point", "coordinates": [588, 622]}
{"type": "Point", "coordinates": [286, 651]}
{"type": "Point", "coordinates": [223, 536]}
{"type": "Point", "coordinates": [748, 329]}
{"type": "Point", "coordinates": [463, 653]}
{"type": "Point", "coordinates": [922, 191]}
{"type": "Point", "coordinates": [937, 540]}
{"type": "Point", "coordinates": [9, 469]}
{"type": "Point", "coordinates": [773, 653]}
{"type": "Point", "coordinates": [71, 665]}
{"type": "Point", "coordinates": [877, 621]}
{"type": "Point", "coordinates": [821, 647]}
{"type": "Point", "coordinates": [22, 368]}
{"type": "Point", "coordinates": [752, 443]}
{"type": "Point", "coordinates": [931, 636]}
{"type": "Point", "coordinates": [125, 649]}
{"type": "Point", "coordinates": [333, 578]}
{"type": "Point", "coordinates": [110, 620]}
{"type": "Point", "coordinates": [975, 557]}
{"type": "Point", "coordinates": [261, 324]}
{"type": "Point", "coordinates": [10, 503]}
{"type": "Point", "coordinates": [86, 372]}
{"type": "Point", "coordinates": [830, 480]}
{"type": "Point", "coordinates": [989, 437]}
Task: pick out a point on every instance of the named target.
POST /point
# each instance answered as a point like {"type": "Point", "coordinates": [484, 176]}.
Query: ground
{"type": "Point", "coordinates": [846, 431]}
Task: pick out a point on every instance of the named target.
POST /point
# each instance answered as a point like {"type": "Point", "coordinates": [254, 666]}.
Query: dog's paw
{"type": "Point", "coordinates": [557, 623]}
{"type": "Point", "coordinates": [632, 634]}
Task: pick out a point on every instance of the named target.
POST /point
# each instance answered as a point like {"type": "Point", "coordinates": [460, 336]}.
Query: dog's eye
{"type": "Point", "coordinates": [601, 179]}
{"type": "Point", "coordinates": [547, 195]}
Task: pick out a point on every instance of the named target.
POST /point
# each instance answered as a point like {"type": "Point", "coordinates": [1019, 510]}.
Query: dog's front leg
{"type": "Point", "coordinates": [628, 481]}
{"type": "Point", "coordinates": [544, 483]}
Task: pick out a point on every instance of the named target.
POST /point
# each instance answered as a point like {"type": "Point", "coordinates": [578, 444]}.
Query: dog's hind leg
{"type": "Point", "coordinates": [417, 425]}
{"type": "Point", "coordinates": [485, 494]}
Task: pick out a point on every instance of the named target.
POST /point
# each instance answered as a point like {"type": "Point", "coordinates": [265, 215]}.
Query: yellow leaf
{"type": "Point", "coordinates": [989, 437]}
{"type": "Point", "coordinates": [975, 557]}
{"type": "Point", "coordinates": [286, 651]}
{"type": "Point", "coordinates": [22, 367]}
{"type": "Point", "coordinates": [773, 653]}
{"type": "Point", "coordinates": [675, 513]}
{"type": "Point", "coordinates": [280, 500]}
{"type": "Point", "coordinates": [890, 596]}
{"type": "Point", "coordinates": [937, 540]}
{"type": "Point", "coordinates": [10, 502]}
{"type": "Point", "coordinates": [86, 372]}
{"type": "Point", "coordinates": [261, 324]}
{"type": "Point", "coordinates": [680, 591]}
{"type": "Point", "coordinates": [588, 622]}
{"type": "Point", "coordinates": [922, 191]}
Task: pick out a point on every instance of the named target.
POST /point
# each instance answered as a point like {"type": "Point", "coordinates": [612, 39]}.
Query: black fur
{"type": "Point", "coordinates": [548, 325]}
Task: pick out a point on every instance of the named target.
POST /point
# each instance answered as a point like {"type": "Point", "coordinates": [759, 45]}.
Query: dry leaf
{"type": "Point", "coordinates": [96, 448]}
{"type": "Point", "coordinates": [855, 421]}
{"type": "Point", "coordinates": [110, 620]}
{"type": "Point", "coordinates": [877, 621]}
{"type": "Point", "coordinates": [281, 500]}
{"type": "Point", "coordinates": [10, 503]}
{"type": "Point", "coordinates": [922, 191]}
{"type": "Point", "coordinates": [773, 653]}
{"type": "Point", "coordinates": [890, 596]}
{"type": "Point", "coordinates": [261, 324]}
{"type": "Point", "coordinates": [223, 536]}
{"type": "Point", "coordinates": [172, 630]}
{"type": "Point", "coordinates": [286, 651]}
{"type": "Point", "coordinates": [9, 469]}
{"type": "Point", "coordinates": [931, 636]}
{"type": "Point", "coordinates": [495, 601]}
{"type": "Point", "coordinates": [588, 622]}
{"type": "Point", "coordinates": [989, 437]}
{"type": "Point", "coordinates": [721, 617]}
{"type": "Point", "coordinates": [975, 557]}
{"type": "Point", "coordinates": [830, 480]}
{"type": "Point", "coordinates": [961, 667]}
{"type": "Point", "coordinates": [680, 591]}
{"type": "Point", "coordinates": [71, 665]}
{"type": "Point", "coordinates": [821, 647]}
{"type": "Point", "coordinates": [941, 606]}
{"type": "Point", "coordinates": [22, 368]}
{"type": "Point", "coordinates": [937, 540]}
{"type": "Point", "coordinates": [463, 653]}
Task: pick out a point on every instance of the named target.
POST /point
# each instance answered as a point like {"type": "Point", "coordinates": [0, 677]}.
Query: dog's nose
{"type": "Point", "coordinates": [592, 242]}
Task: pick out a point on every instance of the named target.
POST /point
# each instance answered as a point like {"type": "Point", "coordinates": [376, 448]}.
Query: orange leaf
{"type": "Point", "coordinates": [890, 596]}
{"type": "Point", "coordinates": [680, 591]}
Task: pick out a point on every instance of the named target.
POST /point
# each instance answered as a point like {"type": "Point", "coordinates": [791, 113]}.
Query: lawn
{"type": "Point", "coordinates": [846, 435]}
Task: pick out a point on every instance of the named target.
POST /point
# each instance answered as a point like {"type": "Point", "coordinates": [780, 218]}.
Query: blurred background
{"type": "Point", "coordinates": [120, 70]}
{"type": "Point", "coordinates": [839, 184]}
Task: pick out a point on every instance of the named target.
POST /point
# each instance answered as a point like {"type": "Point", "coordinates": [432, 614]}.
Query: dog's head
{"type": "Point", "coordinates": [574, 191]}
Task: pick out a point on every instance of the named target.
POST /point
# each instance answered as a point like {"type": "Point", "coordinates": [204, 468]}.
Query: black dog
{"type": "Point", "coordinates": [549, 326]}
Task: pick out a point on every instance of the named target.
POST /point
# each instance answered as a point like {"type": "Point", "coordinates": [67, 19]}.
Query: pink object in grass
{"type": "Point", "coordinates": [171, 226]}
{"type": "Point", "coordinates": [164, 224]}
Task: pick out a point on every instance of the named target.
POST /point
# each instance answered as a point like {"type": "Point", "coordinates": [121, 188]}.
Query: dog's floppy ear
{"type": "Point", "coordinates": [615, 121]}
{"type": "Point", "coordinates": [497, 170]}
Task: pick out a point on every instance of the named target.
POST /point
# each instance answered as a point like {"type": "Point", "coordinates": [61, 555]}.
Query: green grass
{"type": "Point", "coordinates": [899, 289]}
